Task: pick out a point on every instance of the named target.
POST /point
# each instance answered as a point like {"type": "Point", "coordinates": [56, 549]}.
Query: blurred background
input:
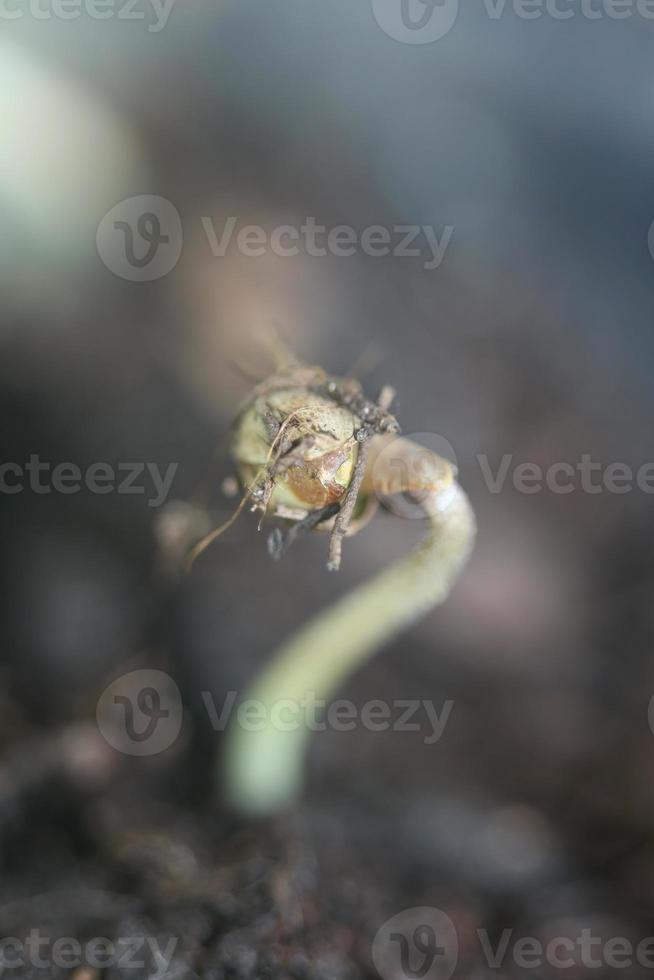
{"type": "Point", "coordinates": [525, 144]}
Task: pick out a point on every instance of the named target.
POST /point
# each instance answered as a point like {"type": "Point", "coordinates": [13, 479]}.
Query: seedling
{"type": "Point", "coordinates": [313, 450]}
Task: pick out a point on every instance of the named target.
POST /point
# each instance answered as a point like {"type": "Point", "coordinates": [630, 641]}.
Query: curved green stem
{"type": "Point", "coordinates": [263, 768]}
